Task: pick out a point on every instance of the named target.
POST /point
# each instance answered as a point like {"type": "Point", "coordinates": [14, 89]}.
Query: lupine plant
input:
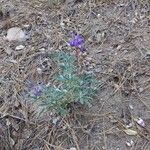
{"type": "Point", "coordinates": [55, 2]}
{"type": "Point", "coordinates": [36, 90]}
{"type": "Point", "coordinates": [77, 41]}
{"type": "Point", "coordinates": [67, 86]}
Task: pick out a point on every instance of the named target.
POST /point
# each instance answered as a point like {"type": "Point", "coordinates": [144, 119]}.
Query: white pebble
{"type": "Point", "coordinates": [131, 106]}
{"type": "Point", "coordinates": [129, 125]}
{"type": "Point", "coordinates": [130, 143]}
{"type": "Point", "coordinates": [141, 122]}
{"type": "Point", "coordinates": [39, 70]}
{"type": "Point", "coordinates": [98, 15]}
{"type": "Point", "coordinates": [19, 47]}
{"type": "Point", "coordinates": [16, 34]}
{"type": "Point", "coordinates": [72, 148]}
{"type": "Point", "coordinates": [42, 50]}
{"type": "Point", "coordinates": [62, 24]}
{"type": "Point", "coordinates": [55, 120]}
{"type": "Point", "coordinates": [26, 25]}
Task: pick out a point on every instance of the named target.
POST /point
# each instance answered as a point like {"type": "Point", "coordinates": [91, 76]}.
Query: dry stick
{"type": "Point", "coordinates": [62, 142]}
{"type": "Point", "coordinates": [46, 147]}
{"type": "Point", "coordinates": [112, 22]}
{"type": "Point", "coordinates": [99, 134]}
{"type": "Point", "coordinates": [97, 115]}
{"type": "Point", "coordinates": [104, 135]}
{"type": "Point", "coordinates": [109, 131]}
{"type": "Point", "coordinates": [54, 146]}
{"type": "Point", "coordinates": [50, 134]}
{"type": "Point", "coordinates": [147, 106]}
{"type": "Point", "coordinates": [36, 137]}
{"type": "Point", "coordinates": [138, 132]}
{"type": "Point", "coordinates": [55, 134]}
{"type": "Point", "coordinates": [142, 135]}
{"type": "Point", "coordinates": [146, 146]}
{"type": "Point", "coordinates": [9, 138]}
{"type": "Point", "coordinates": [73, 135]}
{"type": "Point", "coordinates": [138, 92]}
{"type": "Point", "coordinates": [134, 146]}
{"type": "Point", "coordinates": [148, 139]}
{"type": "Point", "coordinates": [147, 87]}
{"type": "Point", "coordinates": [15, 117]}
{"type": "Point", "coordinates": [104, 103]}
{"type": "Point", "coordinates": [116, 89]}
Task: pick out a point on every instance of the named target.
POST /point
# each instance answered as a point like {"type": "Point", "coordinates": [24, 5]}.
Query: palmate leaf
{"type": "Point", "coordinates": [70, 87]}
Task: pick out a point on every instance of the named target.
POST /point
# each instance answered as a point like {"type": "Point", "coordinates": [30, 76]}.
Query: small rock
{"type": "Point", "coordinates": [39, 70]}
{"type": "Point", "coordinates": [64, 127]}
{"type": "Point", "coordinates": [119, 47]}
{"type": "Point", "coordinates": [114, 121]}
{"type": "Point", "coordinates": [27, 27]}
{"type": "Point", "coordinates": [130, 132]}
{"type": "Point", "coordinates": [42, 50]}
{"type": "Point", "coordinates": [89, 59]}
{"type": "Point", "coordinates": [129, 125]}
{"type": "Point", "coordinates": [98, 15]}
{"type": "Point", "coordinates": [141, 89]}
{"type": "Point", "coordinates": [130, 143]}
{"type": "Point", "coordinates": [131, 106]}
{"type": "Point", "coordinates": [98, 70]}
{"type": "Point", "coordinates": [19, 47]}
{"type": "Point", "coordinates": [62, 24]}
{"type": "Point", "coordinates": [13, 61]}
{"type": "Point", "coordinates": [16, 34]}
{"type": "Point", "coordinates": [55, 120]}
{"type": "Point", "coordinates": [140, 122]}
{"type": "Point", "coordinates": [8, 50]}
{"type": "Point", "coordinates": [148, 52]}
{"type": "Point", "coordinates": [99, 37]}
{"type": "Point", "coordinates": [72, 148]}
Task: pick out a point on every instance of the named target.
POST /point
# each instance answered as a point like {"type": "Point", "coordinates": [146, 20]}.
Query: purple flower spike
{"type": "Point", "coordinates": [78, 42]}
{"type": "Point", "coordinates": [36, 90]}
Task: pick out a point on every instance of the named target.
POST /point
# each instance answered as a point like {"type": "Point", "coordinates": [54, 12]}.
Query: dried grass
{"type": "Point", "coordinates": [121, 55]}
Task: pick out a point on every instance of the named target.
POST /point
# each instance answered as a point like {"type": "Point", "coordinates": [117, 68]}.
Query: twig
{"type": "Point", "coordinates": [54, 146]}
{"type": "Point", "coordinates": [73, 135]}
{"type": "Point", "coordinates": [15, 117]}
{"type": "Point", "coordinates": [97, 115]}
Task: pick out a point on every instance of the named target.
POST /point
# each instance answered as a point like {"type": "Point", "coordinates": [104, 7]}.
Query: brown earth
{"type": "Point", "coordinates": [117, 34]}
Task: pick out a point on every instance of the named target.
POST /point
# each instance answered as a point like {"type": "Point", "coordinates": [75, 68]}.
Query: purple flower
{"type": "Point", "coordinates": [36, 90]}
{"type": "Point", "coordinates": [78, 42]}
